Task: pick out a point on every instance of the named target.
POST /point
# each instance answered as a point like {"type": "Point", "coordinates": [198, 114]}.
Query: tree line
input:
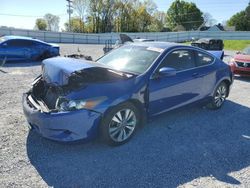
{"type": "Point", "coordinates": [101, 16]}
{"type": "Point", "coordinates": [241, 20]}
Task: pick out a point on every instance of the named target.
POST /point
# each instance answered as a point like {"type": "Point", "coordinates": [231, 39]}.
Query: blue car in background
{"type": "Point", "coordinates": [16, 48]}
{"type": "Point", "coordinates": [77, 99]}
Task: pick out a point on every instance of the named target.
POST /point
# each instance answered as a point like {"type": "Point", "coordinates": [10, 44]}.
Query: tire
{"type": "Point", "coordinates": [219, 96]}
{"type": "Point", "coordinates": [120, 124]}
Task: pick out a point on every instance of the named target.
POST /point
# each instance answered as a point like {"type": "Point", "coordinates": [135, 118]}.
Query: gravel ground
{"type": "Point", "coordinates": [191, 147]}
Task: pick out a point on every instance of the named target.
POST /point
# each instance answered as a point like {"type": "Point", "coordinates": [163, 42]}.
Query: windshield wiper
{"type": "Point", "coordinates": [124, 73]}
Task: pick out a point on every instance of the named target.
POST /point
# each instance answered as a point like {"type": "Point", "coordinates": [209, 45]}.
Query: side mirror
{"type": "Point", "coordinates": [165, 72]}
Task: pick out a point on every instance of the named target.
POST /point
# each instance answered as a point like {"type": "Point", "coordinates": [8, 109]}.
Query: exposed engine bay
{"type": "Point", "coordinates": [47, 94]}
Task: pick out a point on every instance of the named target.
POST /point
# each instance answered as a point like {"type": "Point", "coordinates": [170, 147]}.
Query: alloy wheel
{"type": "Point", "coordinates": [220, 95]}
{"type": "Point", "coordinates": [122, 125]}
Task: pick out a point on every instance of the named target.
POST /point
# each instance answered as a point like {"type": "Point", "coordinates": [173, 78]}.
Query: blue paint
{"type": "Point", "coordinates": [155, 94]}
{"type": "Point", "coordinates": [16, 48]}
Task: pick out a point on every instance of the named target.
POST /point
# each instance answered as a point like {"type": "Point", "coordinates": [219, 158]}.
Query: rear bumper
{"type": "Point", "coordinates": [62, 126]}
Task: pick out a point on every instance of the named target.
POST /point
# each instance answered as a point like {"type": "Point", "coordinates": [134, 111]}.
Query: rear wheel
{"type": "Point", "coordinates": [46, 54]}
{"type": "Point", "coordinates": [219, 96]}
{"type": "Point", "coordinates": [120, 123]}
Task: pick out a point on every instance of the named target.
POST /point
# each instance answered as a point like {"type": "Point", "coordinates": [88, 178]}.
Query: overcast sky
{"type": "Point", "coordinates": [11, 10]}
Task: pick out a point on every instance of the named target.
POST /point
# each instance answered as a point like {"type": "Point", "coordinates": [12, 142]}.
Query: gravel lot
{"type": "Point", "coordinates": [192, 147]}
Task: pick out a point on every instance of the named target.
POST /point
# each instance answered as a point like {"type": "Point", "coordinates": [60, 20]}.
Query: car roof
{"type": "Point", "coordinates": [11, 37]}
{"type": "Point", "coordinates": [162, 45]}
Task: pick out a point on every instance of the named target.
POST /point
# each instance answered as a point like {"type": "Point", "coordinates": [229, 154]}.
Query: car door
{"type": "Point", "coordinates": [207, 71]}
{"type": "Point", "coordinates": [14, 49]}
{"type": "Point", "coordinates": [169, 92]}
{"type": "Point", "coordinates": [3, 51]}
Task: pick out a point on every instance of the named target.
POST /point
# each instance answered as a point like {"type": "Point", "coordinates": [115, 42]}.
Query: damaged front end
{"type": "Point", "coordinates": [42, 106]}
{"type": "Point", "coordinates": [62, 103]}
{"type": "Point", "coordinates": [53, 90]}
{"type": "Point", "coordinates": [44, 95]}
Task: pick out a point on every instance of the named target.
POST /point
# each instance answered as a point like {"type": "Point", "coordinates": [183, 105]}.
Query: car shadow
{"type": "Point", "coordinates": [171, 150]}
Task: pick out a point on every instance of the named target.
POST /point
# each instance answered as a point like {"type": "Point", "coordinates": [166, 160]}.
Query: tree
{"type": "Point", "coordinates": [150, 6]}
{"type": "Point", "coordinates": [145, 18]}
{"type": "Point", "coordinates": [94, 10]}
{"type": "Point", "coordinates": [126, 16]}
{"type": "Point", "coordinates": [80, 7]}
{"type": "Point", "coordinates": [41, 24]}
{"type": "Point", "coordinates": [76, 25]}
{"type": "Point", "coordinates": [208, 19]}
{"type": "Point", "coordinates": [184, 13]}
{"type": "Point", "coordinates": [52, 22]}
{"type": "Point", "coordinates": [241, 20]}
{"type": "Point", "coordinates": [158, 21]}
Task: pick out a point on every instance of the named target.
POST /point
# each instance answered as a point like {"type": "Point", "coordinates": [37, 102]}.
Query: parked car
{"type": "Point", "coordinates": [240, 64]}
{"type": "Point", "coordinates": [215, 45]}
{"type": "Point", "coordinates": [209, 44]}
{"type": "Point", "coordinates": [13, 48]}
{"type": "Point", "coordinates": [77, 99]}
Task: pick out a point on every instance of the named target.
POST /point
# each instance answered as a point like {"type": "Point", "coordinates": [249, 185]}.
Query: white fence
{"type": "Point", "coordinates": [84, 38]}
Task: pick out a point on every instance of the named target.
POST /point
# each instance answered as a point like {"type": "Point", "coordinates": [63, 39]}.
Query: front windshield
{"type": "Point", "coordinates": [246, 51]}
{"type": "Point", "coordinates": [135, 59]}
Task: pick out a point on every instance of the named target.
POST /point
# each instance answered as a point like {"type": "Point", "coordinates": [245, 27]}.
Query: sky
{"type": "Point", "coordinates": [23, 13]}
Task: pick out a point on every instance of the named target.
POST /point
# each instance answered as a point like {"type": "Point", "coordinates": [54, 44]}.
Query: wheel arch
{"type": "Point", "coordinates": [228, 83]}
{"type": "Point", "coordinates": [135, 102]}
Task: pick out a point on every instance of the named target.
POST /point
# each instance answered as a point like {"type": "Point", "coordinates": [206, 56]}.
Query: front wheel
{"type": "Point", "coordinates": [219, 96]}
{"type": "Point", "coordinates": [120, 124]}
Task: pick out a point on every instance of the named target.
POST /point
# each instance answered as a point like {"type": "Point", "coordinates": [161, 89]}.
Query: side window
{"type": "Point", "coordinates": [12, 43]}
{"type": "Point", "coordinates": [179, 60]}
{"type": "Point", "coordinates": [27, 43]}
{"type": "Point", "coordinates": [203, 59]}
{"type": "Point", "coordinates": [19, 43]}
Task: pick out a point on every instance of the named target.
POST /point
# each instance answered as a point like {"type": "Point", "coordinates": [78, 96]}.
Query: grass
{"type": "Point", "coordinates": [237, 45]}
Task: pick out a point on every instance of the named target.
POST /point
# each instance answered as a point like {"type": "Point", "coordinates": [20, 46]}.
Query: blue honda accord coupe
{"type": "Point", "coordinates": [76, 99]}
{"type": "Point", "coordinates": [15, 48]}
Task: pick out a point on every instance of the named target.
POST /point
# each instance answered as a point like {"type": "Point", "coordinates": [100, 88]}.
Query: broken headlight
{"type": "Point", "coordinates": [63, 104]}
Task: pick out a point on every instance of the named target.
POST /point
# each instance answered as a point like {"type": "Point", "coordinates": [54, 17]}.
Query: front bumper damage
{"type": "Point", "coordinates": [61, 126]}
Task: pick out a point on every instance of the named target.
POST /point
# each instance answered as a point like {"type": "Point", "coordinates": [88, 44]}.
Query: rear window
{"type": "Point", "coordinates": [204, 59]}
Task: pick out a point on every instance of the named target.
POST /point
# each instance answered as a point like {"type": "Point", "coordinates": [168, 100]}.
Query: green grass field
{"type": "Point", "coordinates": [237, 45]}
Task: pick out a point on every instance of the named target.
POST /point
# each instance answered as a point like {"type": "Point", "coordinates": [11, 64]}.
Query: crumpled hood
{"type": "Point", "coordinates": [57, 70]}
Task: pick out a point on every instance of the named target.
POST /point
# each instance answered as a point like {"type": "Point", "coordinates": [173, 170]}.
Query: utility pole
{"type": "Point", "coordinates": [69, 11]}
